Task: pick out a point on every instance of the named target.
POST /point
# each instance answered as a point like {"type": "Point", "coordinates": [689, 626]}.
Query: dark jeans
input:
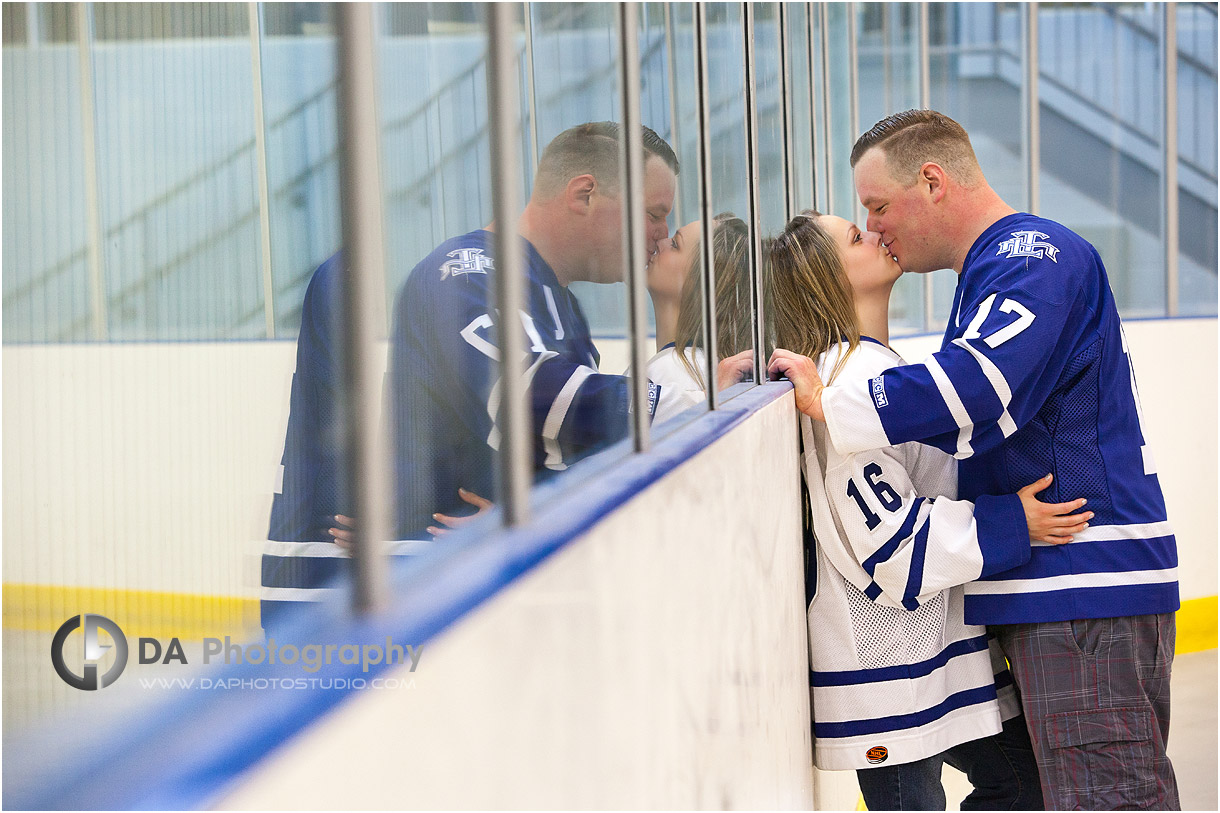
{"type": "Point", "coordinates": [1001, 768]}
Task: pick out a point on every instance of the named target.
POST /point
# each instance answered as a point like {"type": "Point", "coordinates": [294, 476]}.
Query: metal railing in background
{"type": "Point", "coordinates": [513, 460]}
{"type": "Point", "coordinates": [1073, 75]}
{"type": "Point", "coordinates": [753, 208]}
{"type": "Point", "coordinates": [631, 169]}
{"type": "Point", "coordinates": [138, 222]}
{"type": "Point", "coordinates": [1030, 107]}
{"type": "Point", "coordinates": [260, 151]}
{"type": "Point", "coordinates": [368, 470]}
{"type": "Point", "coordinates": [1169, 153]}
{"type": "Point", "coordinates": [1024, 45]}
{"type": "Point", "coordinates": [88, 101]}
{"type": "Point", "coordinates": [707, 280]}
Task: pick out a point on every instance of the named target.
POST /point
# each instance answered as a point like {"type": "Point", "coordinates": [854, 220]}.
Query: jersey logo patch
{"type": "Point", "coordinates": [466, 261]}
{"type": "Point", "coordinates": [1028, 244]}
{"type": "Point", "coordinates": [878, 388]}
{"type": "Point", "coordinates": [877, 754]}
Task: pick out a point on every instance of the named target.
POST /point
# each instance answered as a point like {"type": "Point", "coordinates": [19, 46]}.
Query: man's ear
{"type": "Point", "coordinates": [578, 194]}
{"type": "Point", "coordinates": [932, 176]}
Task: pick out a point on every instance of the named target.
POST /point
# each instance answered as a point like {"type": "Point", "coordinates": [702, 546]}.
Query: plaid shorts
{"type": "Point", "coordinates": [1096, 695]}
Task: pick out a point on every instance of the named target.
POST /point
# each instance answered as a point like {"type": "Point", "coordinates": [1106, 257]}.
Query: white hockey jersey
{"type": "Point", "coordinates": [682, 390]}
{"type": "Point", "coordinates": [896, 674]}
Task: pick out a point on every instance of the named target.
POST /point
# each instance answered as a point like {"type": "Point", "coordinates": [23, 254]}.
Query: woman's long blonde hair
{"type": "Point", "coordinates": [810, 294]}
{"type": "Point", "coordinates": [730, 258]}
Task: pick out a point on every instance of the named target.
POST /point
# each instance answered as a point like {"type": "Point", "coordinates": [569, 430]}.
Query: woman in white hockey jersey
{"type": "Point", "coordinates": [673, 285]}
{"type": "Point", "coordinates": [900, 684]}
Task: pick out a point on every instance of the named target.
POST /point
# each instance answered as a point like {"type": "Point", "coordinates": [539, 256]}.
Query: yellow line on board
{"type": "Point", "coordinates": [139, 613]}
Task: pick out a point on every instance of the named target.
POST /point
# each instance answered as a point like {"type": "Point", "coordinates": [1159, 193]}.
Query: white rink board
{"type": "Point", "coordinates": [659, 661]}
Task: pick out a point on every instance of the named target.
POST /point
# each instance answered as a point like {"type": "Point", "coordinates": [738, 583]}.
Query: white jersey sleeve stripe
{"type": "Point", "coordinates": [852, 413]}
{"type": "Point", "coordinates": [956, 408]}
{"type": "Point", "coordinates": [559, 411]}
{"type": "Point", "coordinates": [1072, 581]}
{"type": "Point", "coordinates": [493, 398]}
{"type": "Point", "coordinates": [998, 383]}
{"type": "Point", "coordinates": [296, 593]}
{"type": "Point", "coordinates": [329, 550]}
{"type": "Point", "coordinates": [1111, 533]}
{"type": "Point", "coordinates": [550, 304]}
{"type": "Point", "coordinates": [531, 330]}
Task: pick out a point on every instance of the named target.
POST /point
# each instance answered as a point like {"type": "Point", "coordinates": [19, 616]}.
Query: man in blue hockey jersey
{"type": "Point", "coordinates": [444, 355]}
{"type": "Point", "coordinates": [1033, 377]}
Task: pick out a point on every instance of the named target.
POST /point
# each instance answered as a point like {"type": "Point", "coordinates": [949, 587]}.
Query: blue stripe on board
{"type": "Point", "coordinates": [853, 677]}
{"type": "Point", "coordinates": [903, 722]}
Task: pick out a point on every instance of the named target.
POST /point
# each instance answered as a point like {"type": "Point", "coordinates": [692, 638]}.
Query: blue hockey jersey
{"type": "Point", "coordinates": [444, 379]}
{"type": "Point", "coordinates": [313, 485]}
{"type": "Point", "coordinates": [1033, 377]}
{"type": "Point", "coordinates": [442, 400]}
{"type": "Point", "coordinates": [299, 557]}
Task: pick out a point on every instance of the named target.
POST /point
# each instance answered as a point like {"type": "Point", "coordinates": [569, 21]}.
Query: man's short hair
{"type": "Point", "coordinates": [912, 138]}
{"type": "Point", "coordinates": [592, 149]}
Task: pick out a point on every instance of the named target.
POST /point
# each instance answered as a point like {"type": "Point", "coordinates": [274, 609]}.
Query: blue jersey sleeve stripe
{"type": "Point", "coordinates": [301, 571]}
{"type": "Point", "coordinates": [915, 576]}
{"type": "Point", "coordinates": [899, 722]}
{"type": "Point", "coordinates": [853, 677]}
{"type": "Point", "coordinates": [1112, 556]}
{"type": "Point", "coordinates": [890, 547]}
{"type": "Point", "coordinates": [1071, 603]}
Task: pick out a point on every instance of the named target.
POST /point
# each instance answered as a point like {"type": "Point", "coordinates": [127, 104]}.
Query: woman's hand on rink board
{"type": "Point", "coordinates": [734, 369]}
{"type": "Point", "coordinates": [1053, 523]}
{"type": "Point", "coordinates": [803, 374]}
{"type": "Point", "coordinates": [344, 530]}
